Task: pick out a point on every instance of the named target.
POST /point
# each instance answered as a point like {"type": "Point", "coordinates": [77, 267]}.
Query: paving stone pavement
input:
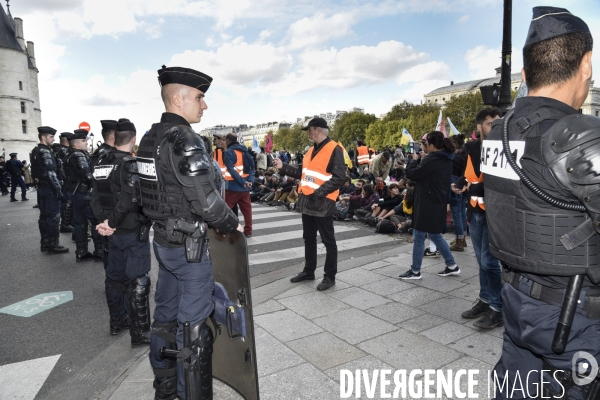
{"type": "Point", "coordinates": [369, 321]}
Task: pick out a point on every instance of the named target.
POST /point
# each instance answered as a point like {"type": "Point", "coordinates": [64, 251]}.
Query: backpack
{"type": "Point", "coordinates": [385, 226]}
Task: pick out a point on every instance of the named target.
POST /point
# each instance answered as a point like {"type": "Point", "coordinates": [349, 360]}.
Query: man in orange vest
{"type": "Point", "coordinates": [220, 147]}
{"type": "Point", "coordinates": [489, 304]}
{"type": "Point", "coordinates": [238, 179]}
{"type": "Point", "coordinates": [363, 156]}
{"type": "Point", "coordinates": [322, 174]}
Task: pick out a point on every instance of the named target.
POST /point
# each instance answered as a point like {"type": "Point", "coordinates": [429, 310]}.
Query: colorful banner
{"type": "Point", "coordinates": [453, 130]}
{"type": "Point", "coordinates": [268, 143]}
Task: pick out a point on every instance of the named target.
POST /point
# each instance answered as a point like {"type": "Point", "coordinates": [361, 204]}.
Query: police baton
{"type": "Point", "coordinates": [567, 313]}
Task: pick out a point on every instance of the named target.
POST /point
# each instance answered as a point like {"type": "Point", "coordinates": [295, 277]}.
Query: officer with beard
{"type": "Point", "coordinates": [79, 184]}
{"type": "Point", "coordinates": [114, 203]}
{"type": "Point", "coordinates": [180, 196]}
{"type": "Point", "coordinates": [542, 200]}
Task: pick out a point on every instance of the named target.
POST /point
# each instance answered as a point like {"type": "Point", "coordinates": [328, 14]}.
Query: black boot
{"type": "Point", "coordinates": [44, 244]}
{"type": "Point", "coordinates": [24, 199]}
{"type": "Point", "coordinates": [118, 324]}
{"type": "Point", "coordinates": [139, 310]}
{"type": "Point", "coordinates": [55, 248]}
{"type": "Point", "coordinates": [166, 388]}
{"type": "Point", "coordinates": [82, 253]}
{"type": "Point", "coordinates": [13, 199]}
{"type": "Point", "coordinates": [66, 229]}
{"type": "Point", "coordinates": [98, 255]}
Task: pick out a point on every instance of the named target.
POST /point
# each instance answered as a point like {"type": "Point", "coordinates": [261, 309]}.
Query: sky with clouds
{"type": "Point", "coordinates": [271, 60]}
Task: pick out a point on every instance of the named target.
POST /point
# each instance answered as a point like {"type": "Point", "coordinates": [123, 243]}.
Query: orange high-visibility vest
{"type": "Point", "coordinates": [239, 166]}
{"type": "Point", "coordinates": [314, 171]}
{"type": "Point", "coordinates": [472, 177]}
{"type": "Point", "coordinates": [218, 156]}
{"type": "Point", "coordinates": [363, 155]}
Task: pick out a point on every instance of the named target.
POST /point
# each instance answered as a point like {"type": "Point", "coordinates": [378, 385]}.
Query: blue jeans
{"type": "Point", "coordinates": [490, 273]}
{"type": "Point", "coordinates": [419, 248]}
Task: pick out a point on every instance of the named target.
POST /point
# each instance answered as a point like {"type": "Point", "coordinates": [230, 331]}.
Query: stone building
{"type": "Point", "coordinates": [20, 112]}
{"type": "Point", "coordinates": [591, 106]}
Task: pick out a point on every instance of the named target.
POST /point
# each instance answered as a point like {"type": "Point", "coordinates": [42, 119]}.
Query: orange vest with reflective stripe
{"type": "Point", "coordinates": [218, 156]}
{"type": "Point", "coordinates": [472, 177]}
{"type": "Point", "coordinates": [239, 166]}
{"type": "Point", "coordinates": [363, 155]}
{"type": "Point", "coordinates": [314, 171]}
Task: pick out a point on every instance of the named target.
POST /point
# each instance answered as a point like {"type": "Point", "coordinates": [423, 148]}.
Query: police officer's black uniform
{"type": "Point", "coordinates": [16, 178]}
{"type": "Point", "coordinates": [44, 167]}
{"type": "Point", "coordinates": [127, 283]}
{"type": "Point", "coordinates": [66, 209]}
{"type": "Point", "coordinates": [543, 246]}
{"type": "Point", "coordinates": [177, 179]}
{"type": "Point", "coordinates": [79, 183]}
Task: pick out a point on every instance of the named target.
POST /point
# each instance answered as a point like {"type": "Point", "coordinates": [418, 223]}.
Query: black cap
{"type": "Point", "coordinates": [66, 135]}
{"type": "Point", "coordinates": [109, 124]}
{"type": "Point", "coordinates": [124, 125]}
{"type": "Point", "coordinates": [316, 122]}
{"type": "Point", "coordinates": [549, 22]}
{"type": "Point", "coordinates": [79, 134]}
{"type": "Point", "coordinates": [184, 76]}
{"type": "Point", "coordinates": [13, 154]}
{"type": "Point", "coordinates": [46, 130]}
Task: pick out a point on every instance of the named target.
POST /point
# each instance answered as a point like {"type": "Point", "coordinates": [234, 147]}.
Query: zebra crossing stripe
{"type": "Point", "coordinates": [290, 235]}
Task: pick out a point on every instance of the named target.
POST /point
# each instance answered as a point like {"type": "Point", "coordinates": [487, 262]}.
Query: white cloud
{"type": "Point", "coordinates": [429, 71]}
{"type": "Point", "coordinates": [417, 90]}
{"type": "Point", "coordinates": [463, 19]}
{"type": "Point", "coordinates": [310, 31]}
{"type": "Point", "coordinates": [482, 61]}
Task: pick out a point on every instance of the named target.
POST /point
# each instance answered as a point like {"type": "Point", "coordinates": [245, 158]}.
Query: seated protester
{"type": "Point", "coordinates": [264, 188]}
{"type": "Point", "coordinates": [388, 202]}
{"type": "Point", "coordinates": [348, 187]}
{"type": "Point", "coordinates": [290, 201]}
{"type": "Point", "coordinates": [282, 192]}
{"type": "Point", "coordinates": [402, 185]}
{"type": "Point", "coordinates": [271, 189]}
{"type": "Point", "coordinates": [343, 203]}
{"type": "Point", "coordinates": [367, 176]}
{"type": "Point", "coordinates": [380, 187]}
{"type": "Point", "coordinates": [397, 172]}
{"type": "Point", "coordinates": [401, 215]}
{"type": "Point", "coordinates": [361, 208]}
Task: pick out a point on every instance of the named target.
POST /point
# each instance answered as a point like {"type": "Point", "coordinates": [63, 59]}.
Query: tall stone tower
{"type": "Point", "coordinates": [20, 112]}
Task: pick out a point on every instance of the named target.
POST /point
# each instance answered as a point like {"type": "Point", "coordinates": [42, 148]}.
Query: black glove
{"type": "Point", "coordinates": [62, 197]}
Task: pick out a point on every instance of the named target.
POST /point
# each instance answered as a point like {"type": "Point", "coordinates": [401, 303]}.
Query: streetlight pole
{"type": "Point", "coordinates": [506, 79]}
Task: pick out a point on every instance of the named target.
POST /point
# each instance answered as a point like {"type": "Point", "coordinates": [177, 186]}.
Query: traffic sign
{"type": "Point", "coordinates": [37, 304]}
{"type": "Point", "coordinates": [85, 126]}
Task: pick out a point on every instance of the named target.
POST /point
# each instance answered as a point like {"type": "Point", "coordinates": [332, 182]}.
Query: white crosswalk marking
{"type": "Point", "coordinates": [265, 215]}
{"type": "Point", "coordinates": [277, 224]}
{"type": "Point", "coordinates": [278, 237]}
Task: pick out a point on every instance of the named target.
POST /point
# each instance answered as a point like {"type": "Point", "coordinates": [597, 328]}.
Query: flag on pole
{"type": "Point", "coordinates": [441, 126]}
{"type": "Point", "coordinates": [406, 137]}
{"type": "Point", "coordinates": [255, 146]}
{"type": "Point", "coordinates": [268, 143]}
{"type": "Point", "coordinates": [453, 130]}
{"type": "Point", "coordinates": [474, 135]}
{"type": "Point", "coordinates": [240, 137]}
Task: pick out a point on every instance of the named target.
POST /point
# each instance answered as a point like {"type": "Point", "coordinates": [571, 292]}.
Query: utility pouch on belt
{"type": "Point", "coordinates": [146, 224]}
{"type": "Point", "coordinates": [192, 234]}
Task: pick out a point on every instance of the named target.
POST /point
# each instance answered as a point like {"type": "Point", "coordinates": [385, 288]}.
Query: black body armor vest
{"type": "Point", "coordinates": [100, 153]}
{"type": "Point", "coordinates": [524, 231]}
{"type": "Point", "coordinates": [77, 171]}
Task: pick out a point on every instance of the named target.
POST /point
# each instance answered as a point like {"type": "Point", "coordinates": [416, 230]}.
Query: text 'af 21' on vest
{"type": "Point", "coordinates": [314, 170]}
{"type": "Point", "coordinates": [525, 232]}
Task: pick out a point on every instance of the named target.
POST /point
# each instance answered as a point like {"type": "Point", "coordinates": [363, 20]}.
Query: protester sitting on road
{"type": "Point", "coordinates": [380, 187]}
{"type": "Point", "coordinates": [388, 202]}
{"type": "Point", "coordinates": [401, 215]}
{"type": "Point", "coordinates": [290, 201]}
{"type": "Point", "coordinates": [348, 187]}
{"type": "Point", "coordinates": [397, 172]}
{"type": "Point", "coordinates": [361, 206]}
{"type": "Point", "coordinates": [367, 176]}
{"type": "Point", "coordinates": [282, 192]}
{"type": "Point", "coordinates": [275, 181]}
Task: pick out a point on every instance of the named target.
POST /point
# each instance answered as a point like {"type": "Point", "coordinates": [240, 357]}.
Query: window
{"type": "Point", "coordinates": [24, 125]}
{"type": "Point", "coordinates": [596, 113]}
{"type": "Point", "coordinates": [443, 99]}
{"type": "Point", "coordinates": [22, 107]}
{"type": "Point", "coordinates": [435, 100]}
{"type": "Point", "coordinates": [20, 85]}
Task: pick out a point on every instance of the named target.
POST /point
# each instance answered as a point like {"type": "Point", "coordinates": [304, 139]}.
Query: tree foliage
{"type": "Point", "coordinates": [351, 126]}
{"type": "Point", "coordinates": [463, 109]}
{"type": "Point", "coordinates": [292, 139]}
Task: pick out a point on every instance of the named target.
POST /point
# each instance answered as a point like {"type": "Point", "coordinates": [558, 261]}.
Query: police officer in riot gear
{"type": "Point", "coordinates": [114, 201]}
{"type": "Point", "coordinates": [66, 210]}
{"type": "Point", "coordinates": [178, 192]}
{"type": "Point", "coordinates": [543, 211]}
{"type": "Point", "coordinates": [108, 134]}
{"type": "Point", "coordinates": [16, 178]}
{"type": "Point", "coordinates": [79, 181]}
{"type": "Point", "coordinates": [44, 167]}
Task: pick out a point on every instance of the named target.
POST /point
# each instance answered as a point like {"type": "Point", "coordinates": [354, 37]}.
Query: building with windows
{"type": "Point", "coordinates": [20, 112]}
{"type": "Point", "coordinates": [591, 106]}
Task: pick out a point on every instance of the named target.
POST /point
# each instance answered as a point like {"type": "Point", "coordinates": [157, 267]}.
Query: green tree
{"type": "Point", "coordinates": [352, 126]}
{"type": "Point", "coordinates": [463, 109]}
{"type": "Point", "coordinates": [292, 139]}
{"type": "Point", "coordinates": [399, 112]}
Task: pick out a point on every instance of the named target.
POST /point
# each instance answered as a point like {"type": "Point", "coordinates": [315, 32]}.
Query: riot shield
{"type": "Point", "coordinates": [234, 351]}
